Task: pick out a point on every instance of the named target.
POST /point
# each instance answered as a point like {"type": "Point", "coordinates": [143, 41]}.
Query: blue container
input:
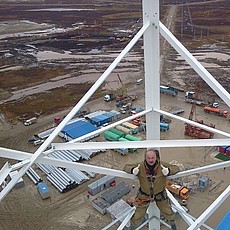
{"type": "Point", "coordinates": [225, 223]}
{"type": "Point", "coordinates": [164, 127]}
{"type": "Point", "coordinates": [43, 190]}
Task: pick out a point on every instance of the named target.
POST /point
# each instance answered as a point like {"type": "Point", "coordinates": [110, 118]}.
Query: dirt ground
{"type": "Point", "coordinates": [24, 209]}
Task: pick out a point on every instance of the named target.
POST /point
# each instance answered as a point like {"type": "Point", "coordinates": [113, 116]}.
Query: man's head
{"type": "Point", "coordinates": [151, 156]}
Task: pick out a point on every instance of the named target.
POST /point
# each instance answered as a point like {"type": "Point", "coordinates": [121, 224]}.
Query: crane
{"type": "Point", "coordinates": [123, 88]}
{"type": "Point", "coordinates": [193, 131]}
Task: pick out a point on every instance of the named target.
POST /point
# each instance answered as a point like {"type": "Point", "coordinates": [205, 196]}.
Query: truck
{"type": "Point", "coordinates": [178, 190]}
{"type": "Point", "coordinates": [168, 90]}
{"type": "Point", "coordinates": [216, 111]}
{"type": "Point", "coordinates": [30, 121]}
{"type": "Point", "coordinates": [109, 97]}
{"type": "Point", "coordinates": [191, 98]}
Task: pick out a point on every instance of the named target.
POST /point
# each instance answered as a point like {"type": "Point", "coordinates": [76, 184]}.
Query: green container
{"type": "Point", "coordinates": [109, 136]}
{"type": "Point", "coordinates": [118, 132]}
{"type": "Point", "coordinates": [130, 149]}
{"type": "Point", "coordinates": [132, 138]}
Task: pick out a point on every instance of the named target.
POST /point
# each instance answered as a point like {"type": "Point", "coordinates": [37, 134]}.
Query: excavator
{"type": "Point", "coordinates": [197, 132]}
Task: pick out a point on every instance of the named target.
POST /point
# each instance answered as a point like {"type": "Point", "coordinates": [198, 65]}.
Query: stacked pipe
{"type": "Point", "coordinates": [63, 180]}
{"type": "Point", "coordinates": [33, 176]}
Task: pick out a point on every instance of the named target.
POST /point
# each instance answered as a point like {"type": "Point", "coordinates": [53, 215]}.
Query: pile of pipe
{"type": "Point", "coordinates": [63, 179]}
{"type": "Point", "coordinates": [33, 176]}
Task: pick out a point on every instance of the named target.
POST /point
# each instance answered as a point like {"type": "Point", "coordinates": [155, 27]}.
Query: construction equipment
{"type": "Point", "coordinates": [109, 97]}
{"type": "Point", "coordinates": [179, 190]}
{"type": "Point", "coordinates": [123, 88]}
{"type": "Point", "coordinates": [216, 111]}
{"type": "Point", "coordinates": [193, 131]}
{"type": "Point", "coordinates": [190, 97]}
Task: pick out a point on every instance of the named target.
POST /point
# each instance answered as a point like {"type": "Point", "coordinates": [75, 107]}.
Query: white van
{"type": "Point", "coordinates": [139, 81]}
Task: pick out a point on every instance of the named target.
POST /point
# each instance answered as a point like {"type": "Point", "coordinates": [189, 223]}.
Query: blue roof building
{"type": "Point", "coordinates": [78, 129]}
{"type": "Point", "coordinates": [225, 223]}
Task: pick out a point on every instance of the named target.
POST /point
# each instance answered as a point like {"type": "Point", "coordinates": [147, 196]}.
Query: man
{"type": "Point", "coordinates": [152, 178]}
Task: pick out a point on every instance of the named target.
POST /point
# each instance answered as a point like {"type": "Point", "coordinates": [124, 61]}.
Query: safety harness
{"type": "Point", "coordinates": [151, 176]}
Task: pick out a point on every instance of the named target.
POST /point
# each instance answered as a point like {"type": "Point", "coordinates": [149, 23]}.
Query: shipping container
{"type": "Point", "coordinates": [227, 151]}
{"type": "Point", "coordinates": [222, 149]}
{"type": "Point", "coordinates": [132, 138]}
{"type": "Point", "coordinates": [134, 128]}
{"type": "Point", "coordinates": [95, 121]}
{"type": "Point", "coordinates": [109, 136]}
{"type": "Point", "coordinates": [109, 116]}
{"type": "Point", "coordinates": [118, 132]}
{"type": "Point", "coordinates": [116, 114]}
{"type": "Point", "coordinates": [103, 119]}
{"type": "Point", "coordinates": [123, 129]}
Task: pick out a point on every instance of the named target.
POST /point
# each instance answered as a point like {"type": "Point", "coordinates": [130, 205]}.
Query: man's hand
{"type": "Point", "coordinates": [164, 170]}
{"type": "Point", "coordinates": [136, 170]}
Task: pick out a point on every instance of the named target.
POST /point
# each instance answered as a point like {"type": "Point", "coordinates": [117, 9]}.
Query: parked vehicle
{"type": "Point", "coordinates": [30, 121]}
{"type": "Point", "coordinates": [217, 111]}
{"type": "Point", "coordinates": [177, 189]}
{"type": "Point", "coordinates": [164, 127]}
{"type": "Point", "coordinates": [190, 95]}
{"type": "Point", "coordinates": [168, 90]}
{"type": "Point", "coordinates": [38, 142]}
{"type": "Point", "coordinates": [109, 97]}
{"type": "Point", "coordinates": [139, 81]}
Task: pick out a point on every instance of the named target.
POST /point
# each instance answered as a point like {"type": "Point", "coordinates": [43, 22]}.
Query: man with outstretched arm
{"type": "Point", "coordinates": [152, 179]}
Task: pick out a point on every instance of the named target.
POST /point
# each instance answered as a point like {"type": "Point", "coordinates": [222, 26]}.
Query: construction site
{"type": "Point", "coordinates": [69, 161]}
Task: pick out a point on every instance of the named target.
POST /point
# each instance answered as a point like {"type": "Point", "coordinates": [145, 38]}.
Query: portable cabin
{"type": "Point", "coordinates": [94, 114]}
{"type": "Point", "coordinates": [100, 184]}
{"type": "Point", "coordinates": [118, 209]}
{"type": "Point", "coordinates": [116, 192]}
{"type": "Point", "coordinates": [116, 114]}
{"type": "Point", "coordinates": [100, 205]}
